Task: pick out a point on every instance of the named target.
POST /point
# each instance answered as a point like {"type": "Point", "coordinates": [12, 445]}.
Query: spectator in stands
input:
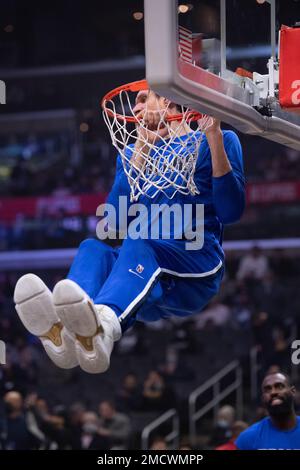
{"type": "Point", "coordinates": [34, 405]}
{"type": "Point", "coordinates": [28, 368]}
{"type": "Point", "coordinates": [75, 422]}
{"type": "Point", "coordinates": [18, 233]}
{"type": "Point", "coordinates": [241, 312]}
{"type": "Point", "coordinates": [92, 438]}
{"type": "Point", "coordinates": [185, 445]}
{"type": "Point", "coordinates": [263, 338]}
{"type": "Point", "coordinates": [281, 429]}
{"type": "Point", "coordinates": [14, 429]}
{"type": "Point", "coordinates": [3, 236]}
{"type": "Point", "coordinates": [159, 443]}
{"type": "Point", "coordinates": [236, 429]}
{"type": "Point", "coordinates": [61, 190]}
{"type": "Point", "coordinates": [268, 294]}
{"type": "Point", "coordinates": [217, 314]}
{"type": "Point", "coordinates": [129, 396]}
{"type": "Point", "coordinates": [20, 178]}
{"type": "Point", "coordinates": [222, 431]}
{"type": "Point", "coordinates": [157, 396]}
{"type": "Point", "coordinates": [297, 400]}
{"type": "Point", "coordinates": [56, 231]}
{"type": "Point", "coordinates": [5, 326]}
{"type": "Point", "coordinates": [46, 425]}
{"type": "Point", "coordinates": [177, 367]}
{"type": "Point", "coordinates": [184, 338]}
{"type": "Point", "coordinates": [281, 349]}
{"type": "Point", "coordinates": [12, 376]}
{"type": "Point", "coordinates": [254, 265]}
{"type": "Point", "coordinates": [113, 425]}
{"type": "Point", "coordinates": [84, 185]}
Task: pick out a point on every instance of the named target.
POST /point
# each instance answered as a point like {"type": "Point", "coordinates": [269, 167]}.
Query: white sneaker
{"type": "Point", "coordinates": [35, 307]}
{"type": "Point", "coordinates": [96, 327]}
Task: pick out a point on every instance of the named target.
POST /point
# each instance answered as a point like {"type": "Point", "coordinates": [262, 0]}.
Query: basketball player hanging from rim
{"type": "Point", "coordinates": [107, 290]}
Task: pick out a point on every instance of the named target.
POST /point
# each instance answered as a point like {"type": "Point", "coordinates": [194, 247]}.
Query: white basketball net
{"type": "Point", "coordinates": [153, 163]}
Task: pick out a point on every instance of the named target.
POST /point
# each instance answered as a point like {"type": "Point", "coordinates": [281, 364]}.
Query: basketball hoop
{"type": "Point", "coordinates": [154, 162]}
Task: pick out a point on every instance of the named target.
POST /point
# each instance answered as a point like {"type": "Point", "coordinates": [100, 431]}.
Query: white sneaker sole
{"type": "Point", "coordinates": [95, 327]}
{"type": "Point", "coordinates": [35, 307]}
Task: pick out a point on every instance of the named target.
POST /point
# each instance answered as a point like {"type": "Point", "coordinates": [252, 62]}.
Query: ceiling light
{"type": "Point", "coordinates": [183, 8]}
{"type": "Point", "coordinates": [9, 28]}
{"type": "Point", "coordinates": [84, 127]}
{"type": "Point", "coordinates": [138, 15]}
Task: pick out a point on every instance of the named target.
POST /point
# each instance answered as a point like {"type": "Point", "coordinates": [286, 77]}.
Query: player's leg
{"type": "Point", "coordinates": [178, 282]}
{"type": "Point", "coordinates": [96, 325]}
{"type": "Point", "coordinates": [189, 280]}
{"type": "Point", "coordinates": [36, 309]}
{"type": "Point", "coordinates": [92, 265]}
{"type": "Point", "coordinates": [182, 296]}
{"type": "Point", "coordinates": [133, 281]}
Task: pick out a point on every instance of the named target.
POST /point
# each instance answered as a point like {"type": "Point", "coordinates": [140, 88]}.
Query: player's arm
{"type": "Point", "coordinates": [227, 174]}
{"type": "Point", "coordinates": [120, 185]}
{"type": "Point", "coordinates": [220, 162]}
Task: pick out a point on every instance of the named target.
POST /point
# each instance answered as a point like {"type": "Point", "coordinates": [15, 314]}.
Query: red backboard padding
{"type": "Point", "coordinates": [289, 69]}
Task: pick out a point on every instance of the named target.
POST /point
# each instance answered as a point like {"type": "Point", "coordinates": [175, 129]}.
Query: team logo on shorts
{"type": "Point", "coordinates": [139, 269]}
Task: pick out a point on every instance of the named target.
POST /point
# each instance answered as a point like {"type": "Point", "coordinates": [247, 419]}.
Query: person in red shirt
{"type": "Point", "coordinates": [237, 428]}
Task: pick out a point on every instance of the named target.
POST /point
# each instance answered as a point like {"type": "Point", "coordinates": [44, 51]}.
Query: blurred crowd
{"type": "Point", "coordinates": [41, 164]}
{"type": "Point", "coordinates": [94, 172]}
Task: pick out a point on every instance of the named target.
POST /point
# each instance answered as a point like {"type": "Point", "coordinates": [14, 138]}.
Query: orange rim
{"type": "Point", "coordinates": [135, 87]}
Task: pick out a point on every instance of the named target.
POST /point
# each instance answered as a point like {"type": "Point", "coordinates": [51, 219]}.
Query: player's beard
{"type": "Point", "coordinates": [284, 408]}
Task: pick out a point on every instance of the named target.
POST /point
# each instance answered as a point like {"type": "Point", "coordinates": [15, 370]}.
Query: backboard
{"type": "Point", "coordinates": [220, 57]}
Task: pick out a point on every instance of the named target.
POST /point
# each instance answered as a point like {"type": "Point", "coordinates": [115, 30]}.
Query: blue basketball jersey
{"type": "Point", "coordinates": [264, 436]}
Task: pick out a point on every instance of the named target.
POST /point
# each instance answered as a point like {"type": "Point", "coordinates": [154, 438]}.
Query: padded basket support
{"type": "Point", "coordinates": [289, 69]}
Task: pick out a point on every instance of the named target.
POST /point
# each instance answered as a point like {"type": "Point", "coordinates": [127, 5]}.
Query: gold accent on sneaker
{"type": "Point", "coordinates": [87, 341]}
{"type": "Point", "coordinates": [54, 334]}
